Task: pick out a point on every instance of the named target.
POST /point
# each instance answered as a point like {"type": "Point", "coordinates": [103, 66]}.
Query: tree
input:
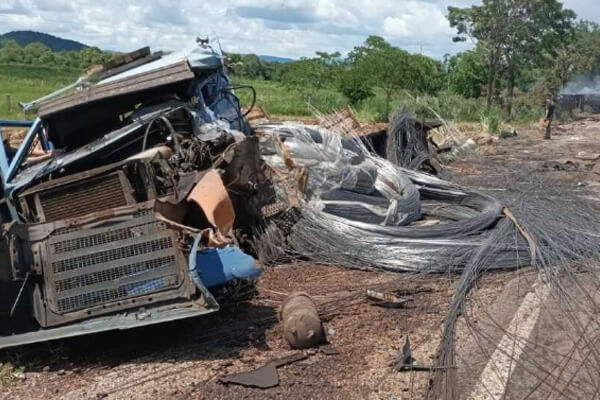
{"type": "Point", "coordinates": [10, 52]}
{"type": "Point", "coordinates": [426, 74]}
{"type": "Point", "coordinates": [467, 73]}
{"type": "Point", "coordinates": [512, 33]}
{"type": "Point", "coordinates": [309, 75]}
{"type": "Point", "coordinates": [538, 27]}
{"type": "Point", "coordinates": [578, 56]}
{"type": "Point", "coordinates": [485, 26]}
{"type": "Point", "coordinates": [382, 65]}
{"type": "Point", "coordinates": [353, 85]}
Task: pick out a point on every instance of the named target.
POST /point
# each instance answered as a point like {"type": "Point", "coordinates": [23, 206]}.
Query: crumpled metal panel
{"type": "Point", "coordinates": [151, 79]}
{"type": "Point", "coordinates": [211, 195]}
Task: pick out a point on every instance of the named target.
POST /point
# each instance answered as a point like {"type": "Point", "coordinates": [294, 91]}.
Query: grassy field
{"type": "Point", "coordinates": [26, 83]}
{"type": "Point", "coordinates": [280, 100]}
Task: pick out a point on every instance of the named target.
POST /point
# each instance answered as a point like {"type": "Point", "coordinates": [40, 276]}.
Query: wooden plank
{"type": "Point", "coordinates": [126, 58]}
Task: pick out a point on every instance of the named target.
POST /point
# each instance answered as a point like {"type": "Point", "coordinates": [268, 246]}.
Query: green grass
{"type": "Point", "coordinates": [280, 100]}
{"type": "Point", "coordinates": [25, 83]}
{"type": "Point", "coordinates": [20, 83]}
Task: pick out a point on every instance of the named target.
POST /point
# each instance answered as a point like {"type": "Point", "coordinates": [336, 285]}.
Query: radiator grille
{"type": "Point", "coordinates": [81, 198]}
{"type": "Point", "coordinates": [112, 255]}
{"type": "Point", "coordinates": [92, 267]}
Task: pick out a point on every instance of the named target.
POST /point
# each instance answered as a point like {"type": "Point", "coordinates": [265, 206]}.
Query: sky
{"type": "Point", "coordinates": [285, 28]}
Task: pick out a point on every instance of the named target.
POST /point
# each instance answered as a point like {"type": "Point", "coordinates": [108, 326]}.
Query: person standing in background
{"type": "Point", "coordinates": [547, 121]}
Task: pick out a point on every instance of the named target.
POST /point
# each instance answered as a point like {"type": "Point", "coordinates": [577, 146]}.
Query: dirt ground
{"type": "Point", "coordinates": [183, 360]}
{"type": "Point", "coordinates": [14, 135]}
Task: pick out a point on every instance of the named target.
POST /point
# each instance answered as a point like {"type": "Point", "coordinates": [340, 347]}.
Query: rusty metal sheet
{"type": "Point", "coordinates": [212, 197]}
{"type": "Point", "coordinates": [342, 122]}
{"type": "Point", "coordinates": [264, 377]}
{"type": "Point", "coordinates": [163, 76]}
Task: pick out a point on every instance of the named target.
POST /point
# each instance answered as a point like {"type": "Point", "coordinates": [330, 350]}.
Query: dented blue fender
{"type": "Point", "coordinates": [213, 267]}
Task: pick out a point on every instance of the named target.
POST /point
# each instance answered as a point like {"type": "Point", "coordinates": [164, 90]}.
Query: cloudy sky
{"type": "Point", "coordinates": [287, 28]}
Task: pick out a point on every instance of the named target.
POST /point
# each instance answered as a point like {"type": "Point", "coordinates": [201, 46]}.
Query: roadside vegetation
{"type": "Point", "coordinates": [20, 83]}
{"type": "Point", "coordinates": [523, 51]}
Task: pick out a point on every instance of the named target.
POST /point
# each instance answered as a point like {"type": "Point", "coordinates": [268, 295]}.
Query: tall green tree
{"type": "Point", "coordinates": [309, 75]}
{"type": "Point", "coordinates": [514, 34]}
{"type": "Point", "coordinates": [383, 66]}
{"type": "Point", "coordinates": [483, 25]}
{"type": "Point", "coordinates": [426, 75]}
{"type": "Point", "coordinates": [578, 56]}
{"type": "Point", "coordinates": [467, 73]}
{"type": "Point", "coordinates": [539, 27]}
{"type": "Point", "coordinates": [10, 52]}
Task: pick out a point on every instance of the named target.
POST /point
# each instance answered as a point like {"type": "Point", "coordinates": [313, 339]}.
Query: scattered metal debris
{"type": "Point", "coordinates": [387, 299]}
{"type": "Point", "coordinates": [584, 155]}
{"type": "Point", "coordinates": [328, 350]}
{"type": "Point", "coordinates": [406, 361]}
{"type": "Point", "coordinates": [264, 377]}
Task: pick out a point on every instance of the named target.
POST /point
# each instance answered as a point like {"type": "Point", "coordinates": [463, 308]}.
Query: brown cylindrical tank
{"type": "Point", "coordinates": [302, 327]}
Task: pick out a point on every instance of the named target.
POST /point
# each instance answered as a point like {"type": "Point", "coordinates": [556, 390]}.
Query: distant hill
{"type": "Point", "coordinates": [276, 59]}
{"type": "Point", "coordinates": [23, 38]}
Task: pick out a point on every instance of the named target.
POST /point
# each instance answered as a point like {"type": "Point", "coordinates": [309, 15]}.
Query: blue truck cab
{"type": "Point", "coordinates": [126, 221]}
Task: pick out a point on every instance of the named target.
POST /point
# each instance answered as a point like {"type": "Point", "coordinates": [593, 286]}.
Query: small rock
{"type": "Point", "coordinates": [331, 331]}
{"type": "Point", "coordinates": [46, 369]}
{"type": "Point", "coordinates": [76, 370]}
{"type": "Point", "coordinates": [61, 372]}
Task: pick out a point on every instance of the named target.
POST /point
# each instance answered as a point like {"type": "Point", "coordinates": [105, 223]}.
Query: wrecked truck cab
{"type": "Point", "coordinates": [125, 223]}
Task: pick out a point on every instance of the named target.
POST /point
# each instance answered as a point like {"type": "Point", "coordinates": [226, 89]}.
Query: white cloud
{"type": "Point", "coordinates": [13, 7]}
{"type": "Point", "coordinates": [418, 19]}
{"type": "Point", "coordinates": [292, 28]}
